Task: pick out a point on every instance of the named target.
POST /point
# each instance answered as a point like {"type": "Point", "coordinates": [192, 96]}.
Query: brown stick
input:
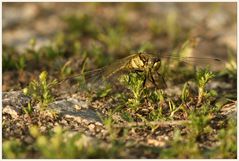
{"type": "Point", "coordinates": [159, 123]}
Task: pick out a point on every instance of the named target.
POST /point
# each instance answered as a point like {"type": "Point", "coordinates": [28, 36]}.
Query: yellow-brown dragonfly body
{"type": "Point", "coordinates": [147, 64]}
{"type": "Point", "coordinates": [141, 63]}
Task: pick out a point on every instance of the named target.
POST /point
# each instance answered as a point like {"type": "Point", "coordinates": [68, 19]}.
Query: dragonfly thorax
{"type": "Point", "coordinates": [137, 63]}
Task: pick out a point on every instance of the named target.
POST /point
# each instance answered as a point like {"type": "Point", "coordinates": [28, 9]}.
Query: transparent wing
{"type": "Point", "coordinates": [111, 72]}
{"type": "Point", "coordinates": [194, 60]}
{"type": "Point", "coordinates": [108, 73]}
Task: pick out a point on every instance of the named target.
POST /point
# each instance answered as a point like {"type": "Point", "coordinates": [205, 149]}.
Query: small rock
{"type": "Point", "coordinates": [9, 110]}
{"type": "Point", "coordinates": [85, 121]}
{"type": "Point", "coordinates": [42, 128]}
{"type": "Point", "coordinates": [91, 127]}
{"type": "Point", "coordinates": [64, 122]}
{"type": "Point", "coordinates": [77, 107]}
{"type": "Point", "coordinates": [98, 124]}
{"type": "Point", "coordinates": [28, 139]}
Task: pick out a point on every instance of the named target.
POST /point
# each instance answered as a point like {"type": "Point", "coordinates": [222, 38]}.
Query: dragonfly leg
{"type": "Point", "coordinates": [163, 81]}
{"type": "Point", "coordinates": [145, 79]}
{"type": "Point", "coordinates": [158, 80]}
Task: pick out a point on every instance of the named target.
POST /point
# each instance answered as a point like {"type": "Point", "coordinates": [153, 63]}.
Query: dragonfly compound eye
{"type": "Point", "coordinates": [157, 65]}
{"type": "Point", "coordinates": [155, 60]}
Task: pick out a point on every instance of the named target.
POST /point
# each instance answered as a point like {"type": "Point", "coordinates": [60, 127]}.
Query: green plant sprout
{"type": "Point", "coordinates": [41, 91]}
{"type": "Point", "coordinates": [104, 91]}
{"type": "Point", "coordinates": [113, 38]}
{"type": "Point", "coordinates": [157, 97]}
{"type": "Point", "coordinates": [66, 69]}
{"type": "Point", "coordinates": [134, 82]}
{"type": "Point", "coordinates": [227, 138]}
{"type": "Point", "coordinates": [81, 25]}
{"type": "Point", "coordinates": [11, 62]}
{"type": "Point", "coordinates": [203, 76]}
{"type": "Point", "coordinates": [108, 122]}
{"type": "Point", "coordinates": [67, 144]}
{"type": "Point", "coordinates": [29, 109]}
{"type": "Point", "coordinates": [185, 92]}
{"type": "Point", "coordinates": [13, 149]}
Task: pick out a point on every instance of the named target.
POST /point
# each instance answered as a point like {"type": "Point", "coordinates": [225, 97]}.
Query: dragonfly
{"type": "Point", "coordinates": [144, 63]}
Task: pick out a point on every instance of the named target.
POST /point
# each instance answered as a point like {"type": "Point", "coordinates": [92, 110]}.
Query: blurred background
{"type": "Point", "coordinates": [57, 37]}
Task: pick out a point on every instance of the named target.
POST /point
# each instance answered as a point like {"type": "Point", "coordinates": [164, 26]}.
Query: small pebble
{"type": "Point", "coordinates": [91, 127]}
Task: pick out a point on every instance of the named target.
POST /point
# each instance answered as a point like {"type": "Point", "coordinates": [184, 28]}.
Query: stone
{"type": "Point", "coordinates": [10, 110]}
{"type": "Point", "coordinates": [14, 101]}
